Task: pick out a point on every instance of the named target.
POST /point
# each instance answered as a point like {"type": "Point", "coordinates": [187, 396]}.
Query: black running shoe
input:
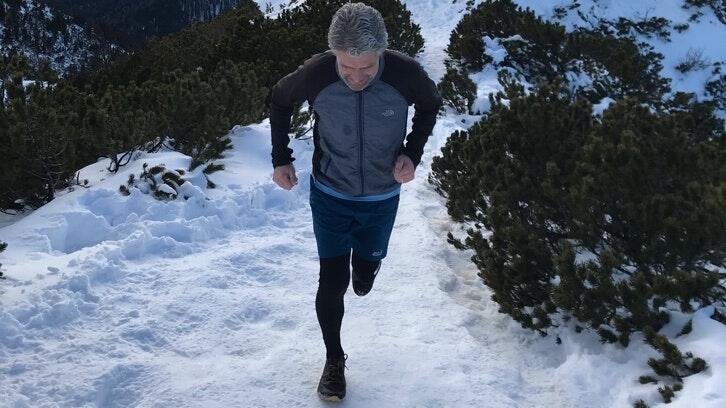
{"type": "Point", "coordinates": [364, 273]}
{"type": "Point", "coordinates": [332, 383]}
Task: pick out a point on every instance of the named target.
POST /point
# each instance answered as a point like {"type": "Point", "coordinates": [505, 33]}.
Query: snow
{"type": "Point", "coordinates": [117, 301]}
{"type": "Point", "coordinates": [495, 49]}
{"type": "Point", "coordinates": [600, 107]}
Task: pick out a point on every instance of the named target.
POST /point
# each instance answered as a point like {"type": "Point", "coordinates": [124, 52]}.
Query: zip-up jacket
{"type": "Point", "coordinates": [357, 135]}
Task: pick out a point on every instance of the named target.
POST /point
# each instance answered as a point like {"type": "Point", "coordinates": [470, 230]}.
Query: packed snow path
{"type": "Point", "coordinates": [184, 312]}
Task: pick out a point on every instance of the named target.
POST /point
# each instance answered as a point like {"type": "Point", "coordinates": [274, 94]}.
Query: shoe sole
{"type": "Point", "coordinates": [361, 293]}
{"type": "Point", "coordinates": [330, 398]}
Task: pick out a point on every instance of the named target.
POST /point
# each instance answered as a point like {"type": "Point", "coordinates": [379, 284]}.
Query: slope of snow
{"type": "Point", "coordinates": [116, 301]}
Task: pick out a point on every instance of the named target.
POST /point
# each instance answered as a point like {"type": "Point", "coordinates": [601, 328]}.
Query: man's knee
{"type": "Point", "coordinates": [335, 274]}
{"type": "Point", "coordinates": [364, 267]}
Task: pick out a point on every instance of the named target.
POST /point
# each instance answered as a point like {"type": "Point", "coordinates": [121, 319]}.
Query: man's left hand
{"type": "Point", "coordinates": [404, 169]}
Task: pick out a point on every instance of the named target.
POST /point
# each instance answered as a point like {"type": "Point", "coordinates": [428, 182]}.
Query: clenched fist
{"type": "Point", "coordinates": [285, 176]}
{"type": "Point", "coordinates": [404, 169]}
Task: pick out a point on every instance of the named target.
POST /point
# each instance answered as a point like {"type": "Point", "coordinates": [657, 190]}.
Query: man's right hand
{"type": "Point", "coordinates": [285, 176]}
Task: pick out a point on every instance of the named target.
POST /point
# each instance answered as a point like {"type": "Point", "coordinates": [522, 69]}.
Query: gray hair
{"type": "Point", "coordinates": [356, 29]}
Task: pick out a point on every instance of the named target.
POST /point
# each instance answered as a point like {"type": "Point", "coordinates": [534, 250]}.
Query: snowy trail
{"type": "Point", "coordinates": [233, 320]}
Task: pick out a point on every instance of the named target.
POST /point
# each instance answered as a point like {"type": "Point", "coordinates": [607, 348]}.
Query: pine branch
{"type": "Point", "coordinates": [127, 155]}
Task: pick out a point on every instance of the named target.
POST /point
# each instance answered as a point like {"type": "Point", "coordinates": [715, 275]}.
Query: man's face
{"type": "Point", "coordinates": [357, 71]}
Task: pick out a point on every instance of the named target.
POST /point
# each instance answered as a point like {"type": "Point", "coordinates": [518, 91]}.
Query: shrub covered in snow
{"type": "Point", "coordinates": [503, 19]}
{"type": "Point", "coordinates": [198, 110]}
{"type": "Point", "coordinates": [613, 221]}
{"type": "Point", "coordinates": [596, 63]}
{"type": "Point", "coordinates": [163, 183]}
{"type": "Point", "coordinates": [599, 64]}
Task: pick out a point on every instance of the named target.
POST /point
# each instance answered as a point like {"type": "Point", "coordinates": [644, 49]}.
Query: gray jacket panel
{"type": "Point", "coordinates": [360, 136]}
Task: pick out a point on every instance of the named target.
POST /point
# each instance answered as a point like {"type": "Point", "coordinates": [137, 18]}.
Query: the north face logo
{"type": "Point", "coordinates": [377, 253]}
{"type": "Point", "coordinates": [388, 112]}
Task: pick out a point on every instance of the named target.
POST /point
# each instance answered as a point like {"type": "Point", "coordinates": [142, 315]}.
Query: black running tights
{"type": "Point", "coordinates": [332, 285]}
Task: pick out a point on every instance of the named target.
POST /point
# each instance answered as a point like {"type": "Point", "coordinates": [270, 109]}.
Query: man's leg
{"type": "Point", "coordinates": [370, 241]}
{"type": "Point", "coordinates": [332, 223]}
{"type": "Point", "coordinates": [364, 274]}
{"type": "Point", "coordinates": [329, 305]}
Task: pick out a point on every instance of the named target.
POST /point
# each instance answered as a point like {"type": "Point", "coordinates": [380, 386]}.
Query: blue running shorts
{"type": "Point", "coordinates": [341, 225]}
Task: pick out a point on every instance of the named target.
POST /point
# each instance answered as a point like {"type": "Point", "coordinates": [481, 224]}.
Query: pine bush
{"type": "Point", "coordinates": [44, 148]}
{"type": "Point", "coordinates": [158, 181]}
{"type": "Point", "coordinates": [716, 89]}
{"type": "Point", "coordinates": [457, 90]}
{"type": "Point", "coordinates": [613, 64]}
{"type": "Point", "coordinates": [612, 221]}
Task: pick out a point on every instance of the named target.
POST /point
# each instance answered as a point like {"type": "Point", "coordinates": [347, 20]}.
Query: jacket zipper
{"type": "Point", "coordinates": [360, 137]}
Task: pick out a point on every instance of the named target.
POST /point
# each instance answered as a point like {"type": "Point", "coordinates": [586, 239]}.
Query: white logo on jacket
{"type": "Point", "coordinates": [388, 112]}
